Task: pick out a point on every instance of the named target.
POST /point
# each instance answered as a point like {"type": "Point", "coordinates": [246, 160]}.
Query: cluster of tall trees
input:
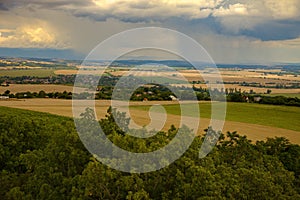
{"type": "Point", "coordinates": [272, 85]}
{"type": "Point", "coordinates": [57, 79]}
{"type": "Point", "coordinates": [280, 100]}
{"type": "Point", "coordinates": [40, 94]}
{"type": "Point", "coordinates": [262, 99]}
{"type": "Point", "coordinates": [42, 157]}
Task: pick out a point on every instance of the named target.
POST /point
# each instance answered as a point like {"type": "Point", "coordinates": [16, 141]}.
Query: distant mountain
{"type": "Point", "coordinates": [182, 63]}
{"type": "Point", "coordinates": [173, 63]}
{"type": "Point", "coordinates": [69, 54]}
{"type": "Point", "coordinates": [170, 63]}
{"type": "Point", "coordinates": [41, 53]}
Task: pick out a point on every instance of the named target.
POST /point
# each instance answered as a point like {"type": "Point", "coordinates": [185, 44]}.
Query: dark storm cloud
{"type": "Point", "coordinates": [7, 5]}
{"type": "Point", "coordinates": [56, 4]}
{"type": "Point", "coordinates": [265, 30]}
{"type": "Point", "coordinates": [48, 4]}
{"type": "Point", "coordinates": [3, 7]}
{"type": "Point", "coordinates": [274, 30]}
{"type": "Point", "coordinates": [92, 16]}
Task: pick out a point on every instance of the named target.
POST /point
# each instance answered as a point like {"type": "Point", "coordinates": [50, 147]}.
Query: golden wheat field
{"type": "Point", "coordinates": [227, 75]}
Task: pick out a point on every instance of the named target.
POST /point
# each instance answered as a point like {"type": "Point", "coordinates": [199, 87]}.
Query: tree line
{"type": "Point", "coordinates": [42, 157]}
{"type": "Point", "coordinates": [162, 93]}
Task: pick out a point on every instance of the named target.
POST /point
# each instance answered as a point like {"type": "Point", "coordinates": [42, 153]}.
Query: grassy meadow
{"type": "Point", "coordinates": [276, 116]}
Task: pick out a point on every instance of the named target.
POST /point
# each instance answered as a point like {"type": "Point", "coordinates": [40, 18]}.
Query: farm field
{"type": "Point", "coordinates": [232, 77]}
{"type": "Point", "coordinates": [229, 75]}
{"type": "Point", "coordinates": [253, 75]}
{"type": "Point", "coordinates": [275, 91]}
{"type": "Point", "coordinates": [65, 72]}
{"type": "Point", "coordinates": [259, 76]}
{"type": "Point", "coordinates": [276, 116]}
{"type": "Point", "coordinates": [62, 106]}
{"type": "Point", "coordinates": [28, 72]}
{"type": "Point", "coordinates": [256, 121]}
{"type": "Point", "coordinates": [74, 72]}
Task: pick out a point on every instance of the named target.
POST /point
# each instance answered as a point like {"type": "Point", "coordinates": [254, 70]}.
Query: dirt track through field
{"type": "Point", "coordinates": [64, 107]}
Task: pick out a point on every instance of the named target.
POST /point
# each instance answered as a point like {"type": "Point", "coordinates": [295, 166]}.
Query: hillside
{"type": "Point", "coordinates": [41, 157]}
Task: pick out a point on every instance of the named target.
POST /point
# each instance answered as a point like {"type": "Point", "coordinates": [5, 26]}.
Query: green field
{"type": "Point", "coordinates": [28, 72]}
{"type": "Point", "coordinates": [276, 116]}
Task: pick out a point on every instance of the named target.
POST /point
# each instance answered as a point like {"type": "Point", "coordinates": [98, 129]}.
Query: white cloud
{"type": "Point", "coordinates": [248, 15]}
{"type": "Point", "coordinates": [30, 36]}
{"type": "Point", "coordinates": [283, 9]}
{"type": "Point", "coordinates": [234, 9]}
{"type": "Point", "coordinates": [140, 10]}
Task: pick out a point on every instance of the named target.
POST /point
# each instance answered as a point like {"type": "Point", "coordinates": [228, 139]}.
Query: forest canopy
{"type": "Point", "coordinates": [42, 157]}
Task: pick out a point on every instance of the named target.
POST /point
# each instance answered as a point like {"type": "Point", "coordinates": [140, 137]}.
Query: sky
{"type": "Point", "coordinates": [231, 31]}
